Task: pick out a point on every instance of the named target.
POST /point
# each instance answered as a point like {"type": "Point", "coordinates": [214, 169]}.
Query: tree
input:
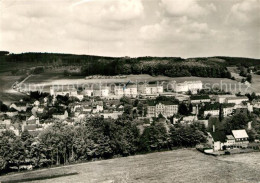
{"type": "Point", "coordinates": [3, 163]}
{"type": "Point", "coordinates": [125, 100]}
{"type": "Point", "coordinates": [221, 113]}
{"type": "Point", "coordinates": [18, 153]}
{"type": "Point", "coordinates": [187, 136]}
{"type": "Point", "coordinates": [249, 78]}
{"type": "Point", "coordinates": [236, 122]}
{"type": "Point", "coordinates": [37, 153]}
{"type": "Point", "coordinates": [183, 110]}
{"type": "Point", "coordinates": [128, 109]}
{"type": "Point", "coordinates": [154, 138]}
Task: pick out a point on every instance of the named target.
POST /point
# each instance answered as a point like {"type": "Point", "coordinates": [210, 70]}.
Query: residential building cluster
{"type": "Point", "coordinates": [72, 106]}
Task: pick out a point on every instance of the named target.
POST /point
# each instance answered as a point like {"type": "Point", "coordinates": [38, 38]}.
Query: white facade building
{"type": "Point", "coordinates": [186, 86]}
{"type": "Point", "coordinates": [236, 100]}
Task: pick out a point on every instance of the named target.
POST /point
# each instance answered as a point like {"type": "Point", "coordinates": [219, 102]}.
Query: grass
{"type": "Point", "coordinates": [48, 79]}
{"type": "Point", "coordinates": [8, 95]}
{"type": "Point", "coordinates": [184, 165]}
{"type": "Point", "coordinates": [37, 177]}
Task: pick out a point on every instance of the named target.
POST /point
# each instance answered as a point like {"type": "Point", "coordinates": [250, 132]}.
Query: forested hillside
{"type": "Point", "coordinates": [94, 65]}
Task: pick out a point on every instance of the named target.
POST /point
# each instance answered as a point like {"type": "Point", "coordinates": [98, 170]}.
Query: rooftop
{"type": "Point", "coordinates": [239, 133]}
{"type": "Point", "coordinates": [218, 136]}
{"type": "Point", "coordinates": [199, 97]}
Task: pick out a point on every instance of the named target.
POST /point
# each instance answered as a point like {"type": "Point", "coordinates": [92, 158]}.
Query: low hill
{"type": "Point", "coordinates": [92, 65]}
{"type": "Point", "coordinates": [173, 166]}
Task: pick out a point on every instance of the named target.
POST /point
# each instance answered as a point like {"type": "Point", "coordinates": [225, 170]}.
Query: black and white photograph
{"type": "Point", "coordinates": [130, 91]}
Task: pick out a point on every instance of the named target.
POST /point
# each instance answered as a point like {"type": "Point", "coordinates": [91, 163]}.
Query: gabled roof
{"type": "Point", "coordinates": [218, 136]}
{"type": "Point", "coordinates": [32, 118]}
{"type": "Point", "coordinates": [239, 133]}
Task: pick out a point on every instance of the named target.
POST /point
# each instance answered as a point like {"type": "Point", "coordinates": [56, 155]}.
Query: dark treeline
{"type": "Point", "coordinates": [98, 65]}
{"type": "Point", "coordinates": [97, 138]}
{"type": "Point", "coordinates": [172, 69]}
{"type": "Point", "coordinates": [102, 65]}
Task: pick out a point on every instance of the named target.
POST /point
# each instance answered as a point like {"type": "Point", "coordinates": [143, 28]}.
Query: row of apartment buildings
{"type": "Point", "coordinates": [129, 90]}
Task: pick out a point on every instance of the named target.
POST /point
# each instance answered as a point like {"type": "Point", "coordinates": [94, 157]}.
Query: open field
{"type": "Point", "coordinates": [186, 165]}
{"type": "Point", "coordinates": [48, 79]}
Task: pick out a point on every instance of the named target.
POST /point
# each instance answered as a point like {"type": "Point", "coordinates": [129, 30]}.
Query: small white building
{"type": "Point", "coordinates": [113, 115]}
{"type": "Point", "coordinates": [241, 137]}
{"type": "Point", "coordinates": [222, 98]}
{"type": "Point", "coordinates": [236, 100]}
{"type": "Point", "coordinates": [186, 86]}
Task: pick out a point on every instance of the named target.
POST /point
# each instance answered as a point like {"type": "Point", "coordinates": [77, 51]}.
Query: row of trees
{"type": "Point", "coordinates": [171, 69]}
{"type": "Point", "coordinates": [96, 138]}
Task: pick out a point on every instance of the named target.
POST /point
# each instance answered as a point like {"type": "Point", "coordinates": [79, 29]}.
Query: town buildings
{"type": "Point", "coordinates": [218, 140]}
{"type": "Point", "coordinates": [165, 108]}
{"type": "Point", "coordinates": [186, 86]}
{"type": "Point", "coordinates": [196, 99]}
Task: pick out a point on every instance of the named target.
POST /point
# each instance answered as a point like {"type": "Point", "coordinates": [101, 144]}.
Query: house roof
{"type": "Point", "coordinates": [20, 104]}
{"type": "Point", "coordinates": [32, 118]}
{"type": "Point", "coordinates": [218, 136]}
{"type": "Point", "coordinates": [237, 98]}
{"type": "Point", "coordinates": [12, 110]}
{"type": "Point", "coordinates": [239, 133]}
{"type": "Point", "coordinates": [199, 97]}
{"type": "Point", "coordinates": [230, 137]}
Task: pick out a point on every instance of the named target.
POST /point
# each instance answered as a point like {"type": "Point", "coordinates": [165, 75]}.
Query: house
{"type": "Point", "coordinates": [19, 106]}
{"type": "Point", "coordinates": [5, 120]}
{"type": "Point", "coordinates": [113, 115]}
{"type": "Point", "coordinates": [236, 100]}
{"type": "Point", "coordinates": [166, 108]}
{"type": "Point", "coordinates": [189, 119]}
{"type": "Point", "coordinates": [228, 109]}
{"type": "Point", "coordinates": [216, 140]}
{"type": "Point", "coordinates": [222, 98]}
{"type": "Point", "coordinates": [204, 122]}
{"type": "Point", "coordinates": [33, 120]}
{"type": "Point", "coordinates": [241, 110]}
{"type": "Point", "coordinates": [196, 99]}
{"type": "Point", "coordinates": [61, 116]}
{"type": "Point", "coordinates": [211, 109]}
{"type": "Point", "coordinates": [36, 103]}
{"type": "Point", "coordinates": [63, 91]}
{"type": "Point", "coordinates": [40, 109]}
{"type": "Point", "coordinates": [230, 141]}
{"type": "Point", "coordinates": [12, 112]}
{"type": "Point", "coordinates": [97, 108]}
{"type": "Point", "coordinates": [88, 92]}
{"type": "Point", "coordinates": [241, 137]}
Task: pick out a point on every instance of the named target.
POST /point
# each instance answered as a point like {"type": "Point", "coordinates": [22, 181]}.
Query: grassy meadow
{"type": "Point", "coordinates": [184, 165]}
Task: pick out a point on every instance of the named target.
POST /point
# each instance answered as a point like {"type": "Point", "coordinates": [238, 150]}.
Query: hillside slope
{"type": "Point", "coordinates": [172, 166]}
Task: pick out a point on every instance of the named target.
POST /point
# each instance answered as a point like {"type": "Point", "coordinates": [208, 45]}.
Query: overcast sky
{"type": "Point", "coordinates": [185, 28]}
